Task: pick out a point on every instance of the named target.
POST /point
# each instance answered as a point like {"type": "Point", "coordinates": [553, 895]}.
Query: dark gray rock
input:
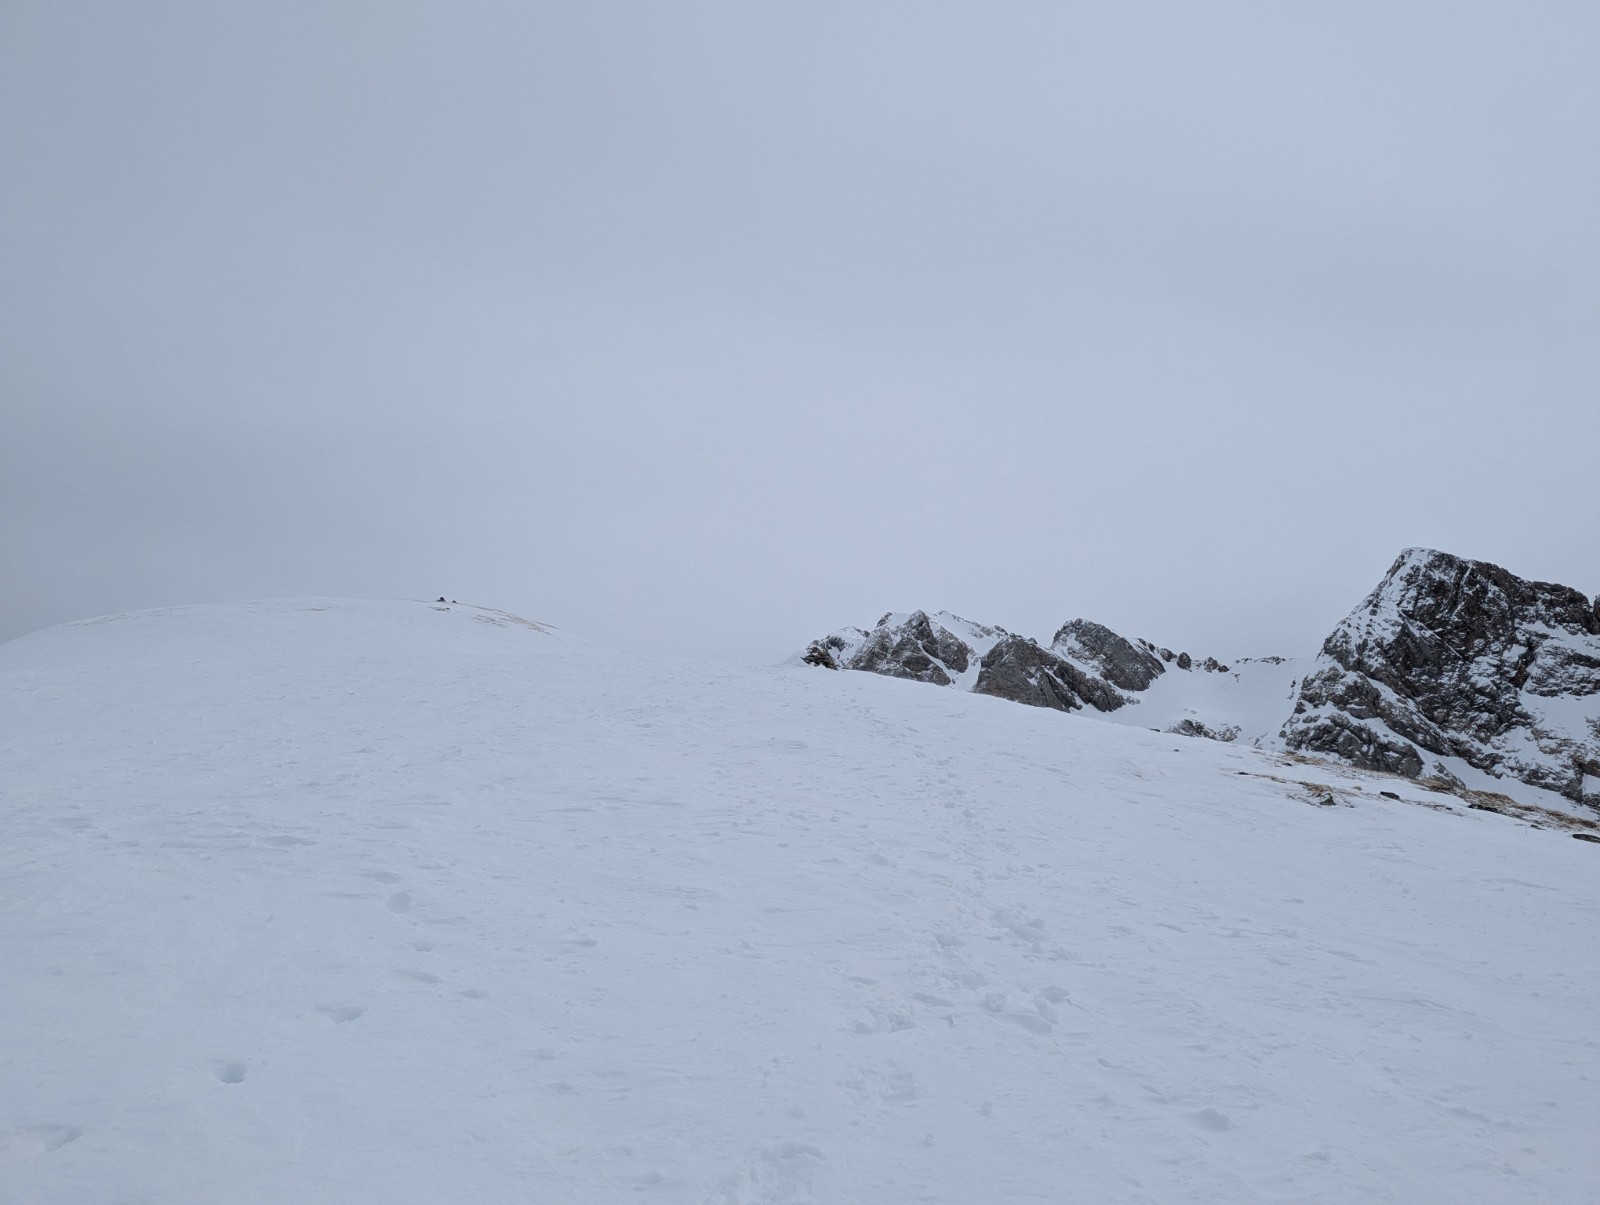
{"type": "Point", "coordinates": [1016, 668]}
{"type": "Point", "coordinates": [1166, 655]}
{"type": "Point", "coordinates": [1360, 745]}
{"type": "Point", "coordinates": [1087, 666]}
{"type": "Point", "coordinates": [819, 654]}
{"type": "Point", "coordinates": [1118, 660]}
{"type": "Point", "coordinates": [1225, 733]}
{"type": "Point", "coordinates": [916, 649]}
{"type": "Point", "coordinates": [1457, 658]}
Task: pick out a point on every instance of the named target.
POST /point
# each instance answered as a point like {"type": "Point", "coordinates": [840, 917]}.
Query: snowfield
{"type": "Point", "coordinates": [328, 901]}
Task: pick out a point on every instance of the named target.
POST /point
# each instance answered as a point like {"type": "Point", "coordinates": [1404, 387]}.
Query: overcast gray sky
{"type": "Point", "coordinates": [712, 327]}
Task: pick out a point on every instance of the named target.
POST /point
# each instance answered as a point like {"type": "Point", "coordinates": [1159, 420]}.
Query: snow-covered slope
{"type": "Point", "coordinates": [375, 902]}
{"type": "Point", "coordinates": [1246, 701]}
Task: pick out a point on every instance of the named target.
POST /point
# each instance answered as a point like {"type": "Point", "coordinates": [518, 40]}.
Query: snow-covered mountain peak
{"type": "Point", "coordinates": [1460, 668]}
{"type": "Point", "coordinates": [1124, 664]}
{"type": "Point", "coordinates": [942, 649]}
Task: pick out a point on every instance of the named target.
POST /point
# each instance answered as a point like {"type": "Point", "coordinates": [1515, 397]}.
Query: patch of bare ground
{"type": "Point", "coordinates": [1325, 795]}
{"type": "Point", "coordinates": [1504, 805]}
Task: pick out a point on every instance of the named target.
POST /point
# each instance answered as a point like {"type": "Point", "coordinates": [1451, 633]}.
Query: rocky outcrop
{"type": "Point", "coordinates": [819, 653]}
{"type": "Point", "coordinates": [1227, 733]}
{"type": "Point", "coordinates": [1460, 659]}
{"type": "Point", "coordinates": [915, 647]}
{"type": "Point", "coordinates": [1016, 668]}
{"type": "Point", "coordinates": [1118, 660]}
{"type": "Point", "coordinates": [1087, 666]}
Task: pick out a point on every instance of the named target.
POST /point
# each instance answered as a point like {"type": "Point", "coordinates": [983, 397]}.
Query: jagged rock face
{"type": "Point", "coordinates": [1087, 665]}
{"type": "Point", "coordinates": [1226, 733]}
{"type": "Point", "coordinates": [1461, 659]}
{"type": "Point", "coordinates": [916, 648]}
{"type": "Point", "coordinates": [821, 654]}
{"type": "Point", "coordinates": [1016, 668]}
{"type": "Point", "coordinates": [1183, 661]}
{"type": "Point", "coordinates": [1120, 662]}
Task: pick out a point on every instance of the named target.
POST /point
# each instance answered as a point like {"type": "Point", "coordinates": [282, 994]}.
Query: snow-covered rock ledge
{"type": "Point", "coordinates": [1452, 665]}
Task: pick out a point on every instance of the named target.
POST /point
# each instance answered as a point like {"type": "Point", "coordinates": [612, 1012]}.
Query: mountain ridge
{"type": "Point", "coordinates": [1450, 667]}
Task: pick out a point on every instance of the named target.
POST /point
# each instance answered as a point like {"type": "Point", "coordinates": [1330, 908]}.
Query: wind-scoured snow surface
{"type": "Point", "coordinates": [376, 902]}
